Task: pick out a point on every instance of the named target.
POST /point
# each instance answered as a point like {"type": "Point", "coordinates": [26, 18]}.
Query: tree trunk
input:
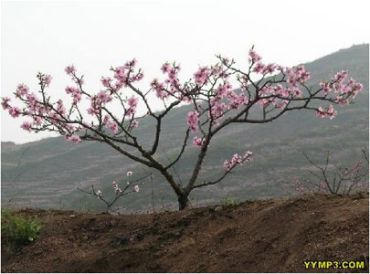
{"type": "Point", "coordinates": [183, 201]}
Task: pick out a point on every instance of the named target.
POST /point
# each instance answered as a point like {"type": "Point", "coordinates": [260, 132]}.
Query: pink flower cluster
{"type": "Point", "coordinates": [5, 103]}
{"type": "Point", "coordinates": [209, 84]}
{"type": "Point", "coordinates": [237, 160]}
{"type": "Point", "coordinates": [22, 90]}
{"type": "Point", "coordinates": [171, 85]}
{"type": "Point", "coordinates": [159, 89]}
{"type": "Point", "coordinates": [202, 75]}
{"type": "Point", "coordinates": [297, 75]}
{"type": "Point", "coordinates": [46, 80]}
{"type": "Point", "coordinates": [26, 126]}
{"type": "Point", "coordinates": [74, 139]}
{"type": "Point", "coordinates": [98, 101]}
{"type": "Point", "coordinates": [265, 69]}
{"type": "Point", "coordinates": [112, 125]}
{"type": "Point", "coordinates": [192, 120]}
{"type": "Point", "coordinates": [253, 56]}
{"type": "Point", "coordinates": [344, 89]}
{"type": "Point", "coordinates": [70, 70]}
{"type": "Point", "coordinates": [328, 112]}
{"type": "Point", "coordinates": [198, 141]}
{"type": "Point", "coordinates": [278, 95]}
{"type": "Point", "coordinates": [75, 93]}
{"type": "Point", "coordinates": [132, 105]}
{"type": "Point", "coordinates": [225, 99]}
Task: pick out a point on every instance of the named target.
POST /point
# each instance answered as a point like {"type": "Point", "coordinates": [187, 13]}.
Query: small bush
{"type": "Point", "coordinates": [229, 202]}
{"type": "Point", "coordinates": [18, 230]}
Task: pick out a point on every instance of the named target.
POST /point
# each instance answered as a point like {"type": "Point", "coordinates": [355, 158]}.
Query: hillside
{"type": "Point", "coordinates": [259, 236]}
{"type": "Point", "coordinates": [46, 173]}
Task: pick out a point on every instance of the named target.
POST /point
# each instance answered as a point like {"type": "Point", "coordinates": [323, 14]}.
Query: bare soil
{"type": "Point", "coordinates": [259, 236]}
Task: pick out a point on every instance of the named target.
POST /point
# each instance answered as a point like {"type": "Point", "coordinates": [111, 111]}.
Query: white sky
{"type": "Point", "coordinates": [48, 35]}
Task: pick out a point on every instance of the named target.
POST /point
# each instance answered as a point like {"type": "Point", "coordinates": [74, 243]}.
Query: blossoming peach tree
{"type": "Point", "coordinates": [220, 95]}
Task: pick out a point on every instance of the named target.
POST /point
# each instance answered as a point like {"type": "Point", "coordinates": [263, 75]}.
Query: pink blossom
{"type": "Point", "coordinates": [295, 91]}
{"type": "Point", "coordinates": [198, 141]}
{"type": "Point", "coordinates": [79, 81]}
{"type": "Point", "coordinates": [297, 75]}
{"type": "Point", "coordinates": [70, 69]}
{"type": "Point", "coordinates": [60, 107]}
{"type": "Point", "coordinates": [22, 90]}
{"type": "Point", "coordinates": [237, 100]}
{"type": "Point", "coordinates": [75, 93]}
{"type": "Point", "coordinates": [253, 56]}
{"type": "Point", "coordinates": [5, 103]}
{"type": "Point", "coordinates": [265, 102]}
{"type": "Point", "coordinates": [223, 89]}
{"type": "Point", "coordinates": [217, 109]}
{"type": "Point", "coordinates": [132, 102]}
{"type": "Point", "coordinates": [74, 139]}
{"type": "Point", "coordinates": [76, 98]}
{"type": "Point", "coordinates": [325, 87]}
{"type": "Point", "coordinates": [129, 173]}
{"type": "Point", "coordinates": [14, 112]}
{"type": "Point", "coordinates": [70, 128]}
{"type": "Point", "coordinates": [26, 126]}
{"type": "Point", "coordinates": [104, 97]}
{"type": "Point", "coordinates": [259, 67]}
{"type": "Point", "coordinates": [113, 126]}
{"type": "Point", "coordinates": [106, 119]}
{"type": "Point", "coordinates": [139, 76]}
{"type": "Point", "coordinates": [120, 74]}
{"type": "Point", "coordinates": [47, 80]}
{"type": "Point", "coordinates": [31, 98]}
{"type": "Point", "coordinates": [106, 81]}
{"type": "Point", "coordinates": [166, 67]}
{"type": "Point", "coordinates": [192, 120]}
{"type": "Point", "coordinates": [280, 91]}
{"type": "Point", "coordinates": [216, 70]}
{"type": "Point", "coordinates": [37, 120]}
{"type": "Point", "coordinates": [95, 106]}
{"type": "Point", "coordinates": [202, 75]}
{"type": "Point", "coordinates": [159, 89]}
{"type": "Point", "coordinates": [280, 103]}
{"type": "Point", "coordinates": [270, 68]}
{"type": "Point", "coordinates": [71, 90]}
{"type": "Point", "coordinates": [328, 112]}
{"type": "Point", "coordinates": [237, 160]}
{"type": "Point", "coordinates": [91, 111]}
{"type": "Point", "coordinates": [172, 71]}
{"type": "Point", "coordinates": [131, 64]}
{"type": "Point", "coordinates": [135, 123]}
{"type": "Point", "coordinates": [340, 76]}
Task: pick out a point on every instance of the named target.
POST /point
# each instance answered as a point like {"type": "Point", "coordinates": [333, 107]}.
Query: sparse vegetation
{"type": "Point", "coordinates": [334, 178]}
{"type": "Point", "coordinates": [17, 230]}
{"type": "Point", "coordinates": [229, 202]}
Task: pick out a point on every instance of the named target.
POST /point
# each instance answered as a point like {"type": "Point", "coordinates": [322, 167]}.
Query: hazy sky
{"type": "Point", "coordinates": [48, 35]}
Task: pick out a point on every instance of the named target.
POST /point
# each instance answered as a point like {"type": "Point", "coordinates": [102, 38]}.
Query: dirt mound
{"type": "Point", "coordinates": [260, 236]}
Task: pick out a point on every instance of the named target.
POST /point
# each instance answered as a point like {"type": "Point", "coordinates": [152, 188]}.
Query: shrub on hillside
{"type": "Point", "coordinates": [18, 230]}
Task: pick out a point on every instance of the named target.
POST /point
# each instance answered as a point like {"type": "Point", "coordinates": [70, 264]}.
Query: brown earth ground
{"type": "Point", "coordinates": [259, 236]}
